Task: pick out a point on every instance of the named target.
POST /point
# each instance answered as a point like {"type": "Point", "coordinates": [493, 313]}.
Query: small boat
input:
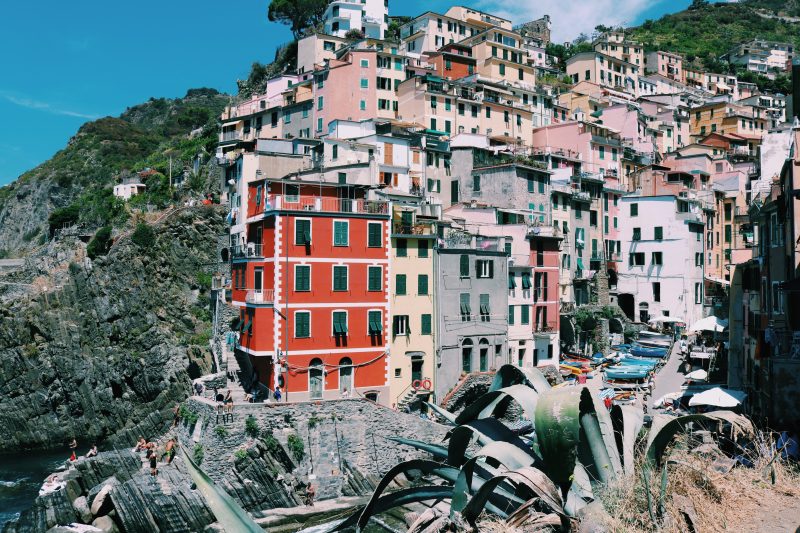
{"type": "Point", "coordinates": [570, 369]}
{"type": "Point", "coordinates": [644, 351]}
{"type": "Point", "coordinates": [621, 347]}
{"type": "Point", "coordinates": [654, 343]}
{"type": "Point", "coordinates": [639, 361]}
{"type": "Point", "coordinates": [624, 384]}
{"type": "Point", "coordinates": [627, 372]}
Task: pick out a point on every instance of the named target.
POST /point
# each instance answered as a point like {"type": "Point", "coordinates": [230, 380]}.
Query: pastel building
{"type": "Point", "coordinates": [370, 17]}
{"type": "Point", "coordinates": [603, 70]}
{"type": "Point", "coordinates": [313, 290]}
{"type": "Point", "coordinates": [666, 64]}
{"type": "Point", "coordinates": [614, 44]}
{"type": "Point", "coordinates": [430, 31]}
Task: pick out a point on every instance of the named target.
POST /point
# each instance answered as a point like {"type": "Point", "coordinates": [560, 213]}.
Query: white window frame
{"type": "Point", "coordinates": [482, 270]}
{"type": "Point", "coordinates": [310, 272]}
{"type": "Point", "coordinates": [295, 324]}
{"type": "Point", "coordinates": [379, 224]}
{"type": "Point", "coordinates": [383, 324]}
{"type": "Point", "coordinates": [333, 236]}
{"type": "Point", "coordinates": [333, 277]}
{"type": "Point", "coordinates": [405, 323]}
{"type": "Point", "coordinates": [365, 63]}
{"type": "Point", "coordinates": [310, 231]}
{"type": "Point", "coordinates": [382, 280]}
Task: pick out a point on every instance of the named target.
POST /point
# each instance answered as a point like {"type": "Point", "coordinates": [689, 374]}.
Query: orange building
{"type": "Point", "coordinates": [452, 61]}
{"type": "Point", "coordinates": [311, 285]}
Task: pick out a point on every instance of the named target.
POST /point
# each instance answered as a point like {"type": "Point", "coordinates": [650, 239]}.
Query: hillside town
{"type": "Point", "coordinates": [407, 211]}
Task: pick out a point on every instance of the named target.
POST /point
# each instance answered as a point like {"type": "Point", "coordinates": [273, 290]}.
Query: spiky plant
{"type": "Point", "coordinates": [541, 480]}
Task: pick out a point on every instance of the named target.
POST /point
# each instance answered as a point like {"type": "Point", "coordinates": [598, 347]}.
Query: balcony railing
{"type": "Point", "coordinates": [319, 204]}
{"type": "Point", "coordinates": [250, 249]}
{"type": "Point", "coordinates": [263, 296]}
{"type": "Point", "coordinates": [400, 228]}
{"type": "Point", "coordinates": [231, 135]}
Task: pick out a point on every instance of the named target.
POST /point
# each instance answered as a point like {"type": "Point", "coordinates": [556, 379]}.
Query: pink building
{"type": "Point", "coordinates": [598, 146]}
{"type": "Point", "coordinates": [667, 64]}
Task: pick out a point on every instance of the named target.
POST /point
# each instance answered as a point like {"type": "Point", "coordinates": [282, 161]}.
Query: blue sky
{"type": "Point", "coordinates": [68, 62]}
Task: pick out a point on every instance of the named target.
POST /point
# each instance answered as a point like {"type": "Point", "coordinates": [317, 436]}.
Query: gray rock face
{"type": "Point", "coordinates": [108, 354]}
{"type": "Point", "coordinates": [81, 507]}
{"type": "Point", "coordinates": [105, 524]}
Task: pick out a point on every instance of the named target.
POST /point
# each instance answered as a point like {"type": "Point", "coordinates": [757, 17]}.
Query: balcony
{"type": "Point", "coordinates": [320, 204]}
{"type": "Point", "coordinates": [234, 135]}
{"type": "Point", "coordinates": [249, 250]}
{"type": "Point", "coordinates": [400, 228]}
{"type": "Point", "coordinates": [459, 240]}
{"type": "Point", "coordinates": [259, 297]}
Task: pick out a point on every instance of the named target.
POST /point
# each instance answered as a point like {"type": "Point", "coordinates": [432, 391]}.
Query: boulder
{"type": "Point", "coordinates": [105, 524]}
{"type": "Point", "coordinates": [102, 502]}
{"type": "Point", "coordinates": [81, 506]}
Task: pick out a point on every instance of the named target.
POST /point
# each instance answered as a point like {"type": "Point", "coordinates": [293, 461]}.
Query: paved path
{"type": "Point", "coordinates": [669, 378]}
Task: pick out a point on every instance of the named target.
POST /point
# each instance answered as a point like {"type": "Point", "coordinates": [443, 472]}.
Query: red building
{"type": "Point", "coordinates": [452, 61]}
{"type": "Point", "coordinates": [311, 285]}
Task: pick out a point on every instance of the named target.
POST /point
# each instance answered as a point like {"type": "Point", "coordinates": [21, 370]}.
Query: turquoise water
{"type": "Point", "coordinates": [21, 476]}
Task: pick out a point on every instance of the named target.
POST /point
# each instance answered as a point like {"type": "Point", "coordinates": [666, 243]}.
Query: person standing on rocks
{"type": "Point", "coordinates": [169, 450]}
{"type": "Point", "coordinates": [228, 402]}
{"type": "Point", "coordinates": [153, 466]}
{"type": "Point", "coordinates": [92, 452]}
{"type": "Point", "coordinates": [176, 411]}
{"type": "Point", "coordinates": [310, 494]}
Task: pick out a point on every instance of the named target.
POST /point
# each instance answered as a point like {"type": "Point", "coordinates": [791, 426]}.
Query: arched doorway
{"type": "Point", "coordinates": [346, 375]}
{"type": "Point", "coordinates": [316, 379]}
{"type": "Point", "coordinates": [626, 303]}
{"type": "Point", "coordinates": [644, 312]}
{"type": "Point", "coordinates": [483, 355]}
{"type": "Point", "coordinates": [466, 356]}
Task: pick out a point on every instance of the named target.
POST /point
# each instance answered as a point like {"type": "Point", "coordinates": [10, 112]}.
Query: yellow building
{"type": "Point", "coordinates": [412, 348]}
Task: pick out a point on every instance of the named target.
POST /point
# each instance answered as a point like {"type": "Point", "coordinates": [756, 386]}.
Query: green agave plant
{"type": "Point", "coordinates": [543, 479]}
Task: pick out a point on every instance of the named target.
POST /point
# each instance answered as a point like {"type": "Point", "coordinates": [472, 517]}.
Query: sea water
{"type": "Point", "coordinates": [21, 477]}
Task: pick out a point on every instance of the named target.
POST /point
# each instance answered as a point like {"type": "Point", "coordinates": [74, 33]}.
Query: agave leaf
{"type": "Point", "coordinates": [488, 430]}
{"type": "Point", "coordinates": [461, 490]}
{"type": "Point", "coordinates": [395, 499]}
{"type": "Point", "coordinates": [532, 478]}
{"type": "Point", "coordinates": [507, 454]}
{"type": "Point", "coordinates": [665, 428]}
{"type": "Point", "coordinates": [597, 446]}
{"type": "Point", "coordinates": [628, 422]}
{"type": "Point", "coordinates": [459, 440]}
{"type": "Point", "coordinates": [444, 413]}
{"type": "Point", "coordinates": [508, 375]}
{"type": "Point", "coordinates": [580, 491]}
{"type": "Point", "coordinates": [558, 431]}
{"type": "Point", "coordinates": [437, 450]}
{"type": "Point", "coordinates": [524, 396]}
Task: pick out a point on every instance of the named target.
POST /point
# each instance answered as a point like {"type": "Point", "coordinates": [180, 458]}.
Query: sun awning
{"type": "Point", "coordinates": [710, 323]}
{"type": "Point", "coordinates": [580, 264]}
{"type": "Point", "coordinates": [717, 280]}
{"type": "Point", "coordinates": [718, 397]}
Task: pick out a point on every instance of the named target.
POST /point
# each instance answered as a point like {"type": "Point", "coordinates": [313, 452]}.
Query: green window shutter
{"type": "Point", "coordinates": [400, 284]}
{"type": "Point", "coordinates": [659, 233]}
{"type": "Point", "coordinates": [465, 307]}
{"type": "Point", "coordinates": [464, 266]}
{"type": "Point", "coordinates": [341, 232]}
{"type": "Point", "coordinates": [512, 283]}
{"type": "Point", "coordinates": [374, 235]}
{"type": "Point", "coordinates": [374, 275]}
{"type": "Point", "coordinates": [525, 314]}
{"type": "Point", "coordinates": [511, 315]}
{"type": "Point", "coordinates": [302, 281]}
{"type": "Point", "coordinates": [425, 328]}
{"type": "Point", "coordinates": [302, 231]}
{"type": "Point", "coordinates": [422, 284]}
{"type": "Point", "coordinates": [301, 325]}
{"type": "Point", "coordinates": [526, 280]}
{"type": "Point", "coordinates": [375, 322]}
{"type": "Point", "coordinates": [484, 304]}
{"type": "Point", "coordinates": [402, 248]}
{"type": "Point", "coordinates": [531, 186]}
{"type": "Point", "coordinates": [422, 248]}
{"type": "Point", "coordinates": [340, 278]}
{"type": "Point", "coordinates": [339, 323]}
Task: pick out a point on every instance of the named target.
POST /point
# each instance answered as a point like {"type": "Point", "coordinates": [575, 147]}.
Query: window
{"type": "Point", "coordinates": [302, 324]}
{"type": "Point", "coordinates": [461, 109]}
{"type": "Point", "coordinates": [525, 314]}
{"type": "Point", "coordinates": [364, 83]}
{"type": "Point", "coordinates": [466, 310]}
{"type": "Point", "coordinates": [400, 325]}
{"type": "Point", "coordinates": [402, 248]}
{"type": "Point", "coordinates": [422, 284]}
{"type": "Point", "coordinates": [374, 278]}
{"type": "Point", "coordinates": [320, 103]}
{"type": "Point", "coordinates": [302, 231]}
{"type": "Point", "coordinates": [484, 308]}
{"type": "Point", "coordinates": [464, 266]}
{"type": "Point", "coordinates": [637, 234]}
{"type": "Point", "coordinates": [602, 150]}
{"type": "Point", "coordinates": [658, 233]}
{"type": "Point", "coordinates": [302, 277]}
{"type": "Point", "coordinates": [593, 218]}
{"type": "Point", "coordinates": [400, 284]}
{"type": "Point", "coordinates": [341, 233]}
{"type": "Point", "coordinates": [488, 112]}
{"type": "Point", "coordinates": [777, 300]}
{"type": "Point", "coordinates": [636, 259]}
{"type": "Point", "coordinates": [365, 63]}
{"type": "Point", "coordinates": [425, 327]}
{"type": "Point", "coordinates": [316, 379]}
{"type": "Point", "coordinates": [476, 184]}
{"type": "Point", "coordinates": [634, 210]}
{"type": "Point", "coordinates": [727, 233]}
{"type": "Point", "coordinates": [526, 281]}
{"type": "Point", "coordinates": [657, 259]}
{"type": "Point", "coordinates": [339, 278]}
{"type": "Point", "coordinates": [512, 281]}
{"type": "Point", "coordinates": [510, 315]}
{"type": "Point", "coordinates": [502, 68]}
{"type": "Point", "coordinates": [656, 291]}
{"type": "Point", "coordinates": [374, 322]}
{"type": "Point", "coordinates": [698, 293]}
{"type": "Point", "coordinates": [484, 268]}
{"type": "Point", "coordinates": [422, 248]}
{"type": "Point", "coordinates": [483, 355]}
{"type": "Point", "coordinates": [466, 356]}
{"type": "Point", "coordinates": [698, 259]}
{"type": "Point", "coordinates": [340, 323]}
{"type": "Point", "coordinates": [374, 230]}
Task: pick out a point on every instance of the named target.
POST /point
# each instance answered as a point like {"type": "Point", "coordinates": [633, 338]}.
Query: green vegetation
{"type": "Point", "coordinates": [198, 454]}
{"type": "Point", "coordinates": [270, 442]}
{"type": "Point", "coordinates": [189, 418]}
{"type": "Point", "coordinates": [66, 216]}
{"type": "Point", "coordinates": [203, 280]}
{"type": "Point", "coordinates": [221, 431]}
{"type": "Point", "coordinates": [299, 15]}
{"type": "Point", "coordinates": [296, 447]}
{"type": "Point", "coordinates": [100, 243]}
{"type": "Point", "coordinates": [251, 427]}
{"type": "Point", "coordinates": [312, 422]}
{"type": "Point", "coordinates": [143, 235]}
{"type": "Point", "coordinates": [240, 454]}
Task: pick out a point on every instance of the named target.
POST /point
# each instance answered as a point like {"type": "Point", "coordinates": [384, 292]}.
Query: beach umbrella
{"type": "Point", "coordinates": [710, 323]}
{"type": "Point", "coordinates": [697, 375]}
{"type": "Point", "coordinates": [664, 320]}
{"type": "Point", "coordinates": [718, 397]}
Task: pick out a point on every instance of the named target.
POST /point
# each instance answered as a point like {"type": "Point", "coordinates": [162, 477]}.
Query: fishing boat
{"type": "Point", "coordinates": [644, 351]}
{"type": "Point", "coordinates": [624, 384]}
{"type": "Point", "coordinates": [626, 372]}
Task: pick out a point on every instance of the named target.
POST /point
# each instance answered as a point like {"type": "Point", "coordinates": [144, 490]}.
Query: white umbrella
{"type": "Point", "coordinates": [664, 319]}
{"type": "Point", "coordinates": [709, 323]}
{"type": "Point", "coordinates": [697, 375]}
{"type": "Point", "coordinates": [718, 397]}
{"type": "Point", "coordinates": [669, 397]}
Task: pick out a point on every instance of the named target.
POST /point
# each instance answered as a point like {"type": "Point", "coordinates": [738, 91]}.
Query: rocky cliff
{"type": "Point", "coordinates": [103, 349]}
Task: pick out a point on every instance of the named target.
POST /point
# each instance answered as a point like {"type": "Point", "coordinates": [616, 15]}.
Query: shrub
{"type": "Point", "coordinates": [65, 216]}
{"type": "Point", "coordinates": [30, 235]}
{"type": "Point", "coordinates": [100, 243]}
{"type": "Point", "coordinates": [143, 235]}
{"type": "Point", "coordinates": [221, 431]}
{"type": "Point", "coordinates": [271, 443]}
{"type": "Point", "coordinates": [251, 427]}
{"type": "Point", "coordinates": [240, 454]}
{"type": "Point", "coordinates": [203, 280]}
{"type": "Point", "coordinates": [296, 447]}
{"type": "Point", "coordinates": [198, 453]}
{"type": "Point", "coordinates": [312, 422]}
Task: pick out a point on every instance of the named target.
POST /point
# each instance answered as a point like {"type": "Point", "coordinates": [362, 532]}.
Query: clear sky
{"type": "Point", "coordinates": [64, 63]}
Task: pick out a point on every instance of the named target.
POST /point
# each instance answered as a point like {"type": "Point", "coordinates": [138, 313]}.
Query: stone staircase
{"type": "Point", "coordinates": [406, 400]}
